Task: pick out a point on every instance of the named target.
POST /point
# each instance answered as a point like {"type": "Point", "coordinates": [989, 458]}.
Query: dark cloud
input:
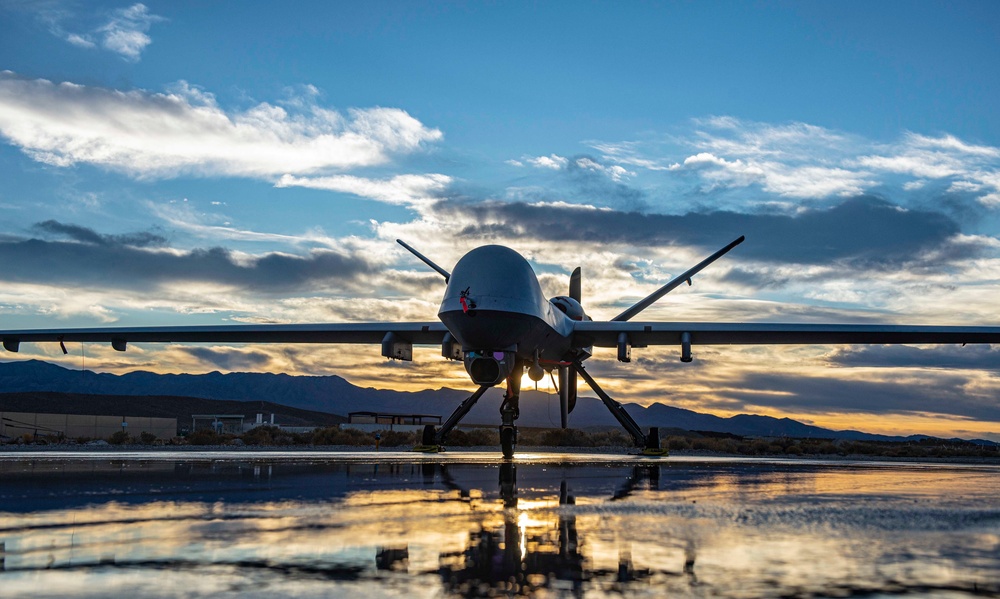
{"type": "Point", "coordinates": [86, 235]}
{"type": "Point", "coordinates": [946, 394]}
{"type": "Point", "coordinates": [864, 232]}
{"type": "Point", "coordinates": [105, 261]}
{"type": "Point", "coordinates": [973, 357]}
{"type": "Point", "coordinates": [231, 360]}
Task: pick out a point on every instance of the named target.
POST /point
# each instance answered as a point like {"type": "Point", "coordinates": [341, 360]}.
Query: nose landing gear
{"type": "Point", "coordinates": [509, 412]}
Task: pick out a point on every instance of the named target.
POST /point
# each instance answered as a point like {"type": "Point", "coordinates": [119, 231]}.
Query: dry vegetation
{"type": "Point", "coordinates": [688, 442]}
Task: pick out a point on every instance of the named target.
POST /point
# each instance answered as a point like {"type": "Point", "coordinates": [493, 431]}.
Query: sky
{"type": "Point", "coordinates": [181, 163]}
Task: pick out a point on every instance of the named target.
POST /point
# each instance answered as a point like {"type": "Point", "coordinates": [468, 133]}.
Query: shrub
{"type": "Point", "coordinates": [347, 436]}
{"type": "Point", "coordinates": [147, 438]}
{"type": "Point", "coordinates": [120, 438]}
{"type": "Point", "coordinates": [204, 436]}
{"type": "Point", "coordinates": [261, 435]}
{"type": "Point", "coordinates": [678, 443]}
{"type": "Point", "coordinates": [473, 437]}
{"type": "Point", "coordinates": [397, 438]}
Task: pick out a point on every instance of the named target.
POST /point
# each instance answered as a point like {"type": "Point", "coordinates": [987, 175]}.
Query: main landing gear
{"type": "Point", "coordinates": [649, 444]}
{"type": "Point", "coordinates": [432, 439]}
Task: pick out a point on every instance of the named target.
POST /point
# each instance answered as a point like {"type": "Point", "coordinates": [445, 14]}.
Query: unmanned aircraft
{"type": "Point", "coordinates": [495, 319]}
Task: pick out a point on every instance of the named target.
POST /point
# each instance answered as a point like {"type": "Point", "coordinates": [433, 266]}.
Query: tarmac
{"type": "Point", "coordinates": [549, 524]}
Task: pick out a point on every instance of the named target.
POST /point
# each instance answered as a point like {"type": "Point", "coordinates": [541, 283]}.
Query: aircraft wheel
{"type": "Point", "coordinates": [653, 439]}
{"type": "Point", "coordinates": [508, 438]}
{"type": "Point", "coordinates": [428, 436]}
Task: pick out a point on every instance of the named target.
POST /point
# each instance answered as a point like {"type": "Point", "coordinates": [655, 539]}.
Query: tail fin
{"type": "Point", "coordinates": [575, 284]}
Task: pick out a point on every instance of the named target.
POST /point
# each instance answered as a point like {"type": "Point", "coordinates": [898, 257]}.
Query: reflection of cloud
{"type": "Point", "coordinates": [152, 135]}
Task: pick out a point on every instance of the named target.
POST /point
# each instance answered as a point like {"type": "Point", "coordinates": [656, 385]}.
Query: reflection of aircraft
{"type": "Point", "coordinates": [528, 559]}
{"type": "Point", "coordinates": [495, 318]}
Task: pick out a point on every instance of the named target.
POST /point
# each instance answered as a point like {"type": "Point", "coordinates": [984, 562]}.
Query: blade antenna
{"type": "Point", "coordinates": [444, 273]}
{"type": "Point", "coordinates": [685, 276]}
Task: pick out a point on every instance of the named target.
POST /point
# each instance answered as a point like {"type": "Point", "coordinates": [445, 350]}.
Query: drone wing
{"type": "Point", "coordinates": [626, 335]}
{"type": "Point", "coordinates": [396, 338]}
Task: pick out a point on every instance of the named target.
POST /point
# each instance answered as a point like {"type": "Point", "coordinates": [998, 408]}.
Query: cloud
{"type": "Point", "coordinates": [972, 357]}
{"type": "Point", "coordinates": [182, 216]}
{"type": "Point", "coordinates": [553, 162]}
{"type": "Point", "coordinates": [579, 163]}
{"type": "Point", "coordinates": [401, 189]}
{"type": "Point", "coordinates": [897, 392]}
{"type": "Point", "coordinates": [865, 230]}
{"type": "Point", "coordinates": [86, 235]}
{"type": "Point", "coordinates": [125, 32]}
{"type": "Point", "coordinates": [146, 134]}
{"type": "Point", "coordinates": [100, 261]}
{"type": "Point", "coordinates": [803, 161]}
{"type": "Point", "coordinates": [228, 358]}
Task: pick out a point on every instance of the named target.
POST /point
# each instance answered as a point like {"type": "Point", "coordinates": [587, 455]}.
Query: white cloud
{"type": "Point", "coordinates": [614, 172]}
{"type": "Point", "coordinates": [553, 162]}
{"type": "Point", "coordinates": [778, 178]}
{"type": "Point", "coordinates": [215, 228]}
{"type": "Point", "coordinates": [401, 189]}
{"type": "Point", "coordinates": [146, 134]}
{"type": "Point", "coordinates": [799, 160]}
{"type": "Point", "coordinates": [628, 153]}
{"type": "Point", "coordinates": [125, 33]}
{"type": "Point", "coordinates": [968, 168]}
{"type": "Point", "coordinates": [79, 40]}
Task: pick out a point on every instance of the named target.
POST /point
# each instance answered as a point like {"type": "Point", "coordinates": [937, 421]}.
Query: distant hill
{"type": "Point", "coordinates": [334, 395]}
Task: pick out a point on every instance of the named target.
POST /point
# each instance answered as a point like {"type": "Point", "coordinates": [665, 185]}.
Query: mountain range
{"type": "Point", "coordinates": [334, 395]}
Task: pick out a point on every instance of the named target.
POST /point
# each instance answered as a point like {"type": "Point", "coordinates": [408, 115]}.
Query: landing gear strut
{"type": "Point", "coordinates": [509, 412]}
{"type": "Point", "coordinates": [431, 440]}
{"type": "Point", "coordinates": [649, 444]}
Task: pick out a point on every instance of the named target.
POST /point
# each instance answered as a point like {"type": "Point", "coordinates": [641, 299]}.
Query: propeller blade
{"type": "Point", "coordinates": [563, 397]}
{"type": "Point", "coordinates": [444, 273]}
{"type": "Point", "coordinates": [572, 391]}
{"type": "Point", "coordinates": [575, 283]}
{"type": "Point", "coordinates": [567, 393]}
{"type": "Point", "coordinates": [686, 276]}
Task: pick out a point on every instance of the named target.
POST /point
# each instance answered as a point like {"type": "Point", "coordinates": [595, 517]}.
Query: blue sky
{"type": "Point", "coordinates": [203, 163]}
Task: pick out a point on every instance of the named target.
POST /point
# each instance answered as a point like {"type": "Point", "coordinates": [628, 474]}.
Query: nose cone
{"type": "Point", "coordinates": [494, 278]}
{"type": "Point", "coordinates": [493, 298]}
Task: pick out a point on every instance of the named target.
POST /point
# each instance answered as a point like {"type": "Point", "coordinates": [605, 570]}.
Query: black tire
{"type": "Point", "coordinates": [428, 437]}
{"type": "Point", "coordinates": [508, 438]}
{"type": "Point", "coordinates": [653, 440]}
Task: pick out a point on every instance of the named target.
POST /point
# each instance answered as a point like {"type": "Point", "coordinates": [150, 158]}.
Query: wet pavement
{"type": "Point", "coordinates": [299, 524]}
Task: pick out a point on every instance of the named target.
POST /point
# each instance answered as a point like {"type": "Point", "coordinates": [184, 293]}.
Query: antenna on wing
{"type": "Point", "coordinates": [426, 260]}
{"type": "Point", "coordinates": [685, 276]}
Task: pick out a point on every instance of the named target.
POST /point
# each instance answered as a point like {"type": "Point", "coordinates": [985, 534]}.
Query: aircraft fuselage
{"type": "Point", "coordinates": [495, 308]}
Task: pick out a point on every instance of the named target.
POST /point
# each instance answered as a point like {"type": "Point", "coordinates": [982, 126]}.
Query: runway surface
{"type": "Point", "coordinates": [394, 524]}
